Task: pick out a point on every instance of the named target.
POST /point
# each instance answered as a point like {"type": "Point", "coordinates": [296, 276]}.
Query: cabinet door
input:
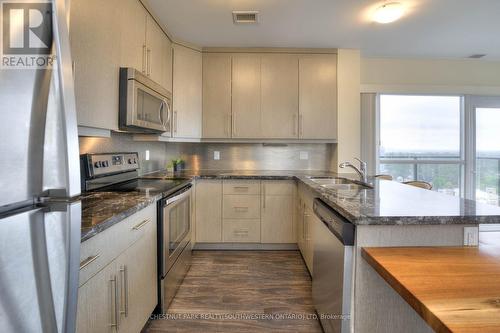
{"type": "Point", "coordinates": [300, 225]}
{"type": "Point", "coordinates": [278, 212]}
{"type": "Point", "coordinates": [98, 303]}
{"type": "Point", "coordinates": [155, 51]}
{"type": "Point", "coordinates": [280, 96]}
{"type": "Point", "coordinates": [318, 96]}
{"type": "Point", "coordinates": [133, 35]}
{"type": "Point", "coordinates": [246, 96]}
{"type": "Point", "coordinates": [216, 95]}
{"type": "Point", "coordinates": [93, 37]}
{"type": "Point", "coordinates": [208, 211]}
{"type": "Point", "coordinates": [187, 92]}
{"type": "Point", "coordinates": [137, 281]}
{"type": "Point", "coordinates": [308, 240]}
{"type": "Point", "coordinates": [167, 63]}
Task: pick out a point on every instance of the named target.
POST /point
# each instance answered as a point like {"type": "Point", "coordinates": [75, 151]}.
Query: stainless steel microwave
{"type": "Point", "coordinates": [145, 106]}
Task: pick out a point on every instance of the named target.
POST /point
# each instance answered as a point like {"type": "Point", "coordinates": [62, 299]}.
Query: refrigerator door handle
{"type": "Point", "coordinates": [67, 101]}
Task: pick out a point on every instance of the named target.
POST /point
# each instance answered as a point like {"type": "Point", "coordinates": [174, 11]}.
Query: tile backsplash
{"type": "Point", "coordinates": [233, 156]}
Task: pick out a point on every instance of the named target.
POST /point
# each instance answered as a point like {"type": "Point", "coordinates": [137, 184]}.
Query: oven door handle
{"type": "Point", "coordinates": [185, 193]}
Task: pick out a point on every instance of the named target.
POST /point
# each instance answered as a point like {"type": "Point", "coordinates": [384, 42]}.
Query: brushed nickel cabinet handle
{"type": "Point", "coordinates": [301, 130]}
{"type": "Point", "coordinates": [148, 61]}
{"type": "Point", "coordinates": [88, 261]}
{"type": "Point", "coordinates": [144, 60]}
{"type": "Point", "coordinates": [140, 225]}
{"type": "Point", "coordinates": [175, 121]}
{"type": "Point", "coordinates": [241, 188]}
{"type": "Point", "coordinates": [234, 123]}
{"type": "Point", "coordinates": [264, 196]}
{"type": "Point", "coordinates": [241, 209]}
{"type": "Point", "coordinates": [295, 125]}
{"type": "Point", "coordinates": [124, 287]}
{"type": "Point", "coordinates": [114, 294]}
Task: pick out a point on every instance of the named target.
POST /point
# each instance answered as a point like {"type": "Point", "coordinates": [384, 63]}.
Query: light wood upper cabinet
{"type": "Point", "coordinates": [167, 63]}
{"type": "Point", "coordinates": [279, 91]}
{"type": "Point", "coordinates": [93, 38]}
{"type": "Point", "coordinates": [187, 92]}
{"type": "Point", "coordinates": [133, 35]}
{"type": "Point", "coordinates": [155, 51]}
{"type": "Point", "coordinates": [318, 96]}
{"type": "Point", "coordinates": [246, 96]}
{"type": "Point", "coordinates": [216, 95]}
{"type": "Point", "coordinates": [208, 211]}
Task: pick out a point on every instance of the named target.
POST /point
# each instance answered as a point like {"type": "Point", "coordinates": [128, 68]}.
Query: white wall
{"type": "Point", "coordinates": [468, 76]}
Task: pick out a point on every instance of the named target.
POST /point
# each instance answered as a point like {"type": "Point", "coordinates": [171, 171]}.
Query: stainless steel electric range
{"type": "Point", "coordinates": [118, 172]}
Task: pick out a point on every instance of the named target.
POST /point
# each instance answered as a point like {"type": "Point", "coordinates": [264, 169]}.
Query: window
{"type": "Point", "coordinates": [420, 139]}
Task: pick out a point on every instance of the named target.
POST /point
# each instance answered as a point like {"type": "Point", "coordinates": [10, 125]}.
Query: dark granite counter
{"type": "Point", "coordinates": [389, 202]}
{"type": "Point", "coordinates": [101, 210]}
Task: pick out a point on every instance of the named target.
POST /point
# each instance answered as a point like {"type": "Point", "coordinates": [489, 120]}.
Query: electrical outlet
{"type": "Point", "coordinates": [216, 155]}
{"type": "Point", "coordinates": [147, 155]}
{"type": "Point", "coordinates": [471, 236]}
{"type": "Point", "coordinates": [304, 155]}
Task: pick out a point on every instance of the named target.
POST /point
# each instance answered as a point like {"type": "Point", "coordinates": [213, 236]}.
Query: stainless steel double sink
{"type": "Point", "coordinates": [339, 183]}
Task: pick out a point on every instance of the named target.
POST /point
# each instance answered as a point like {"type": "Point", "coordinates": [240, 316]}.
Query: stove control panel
{"type": "Point", "coordinates": [95, 165]}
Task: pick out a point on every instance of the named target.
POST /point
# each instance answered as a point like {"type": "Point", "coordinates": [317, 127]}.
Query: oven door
{"type": "Point", "coordinates": [176, 228]}
{"type": "Point", "coordinates": [148, 109]}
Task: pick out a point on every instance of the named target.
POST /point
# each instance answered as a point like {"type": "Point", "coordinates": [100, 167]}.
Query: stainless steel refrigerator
{"type": "Point", "coordinates": [40, 215]}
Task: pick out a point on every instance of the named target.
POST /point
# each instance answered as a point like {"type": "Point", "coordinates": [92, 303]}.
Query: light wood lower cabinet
{"type": "Point", "coordinates": [122, 295]}
{"type": "Point", "coordinates": [278, 212]}
{"type": "Point", "coordinates": [241, 231]}
{"type": "Point", "coordinates": [245, 211]}
{"type": "Point", "coordinates": [305, 221]}
{"type": "Point", "coordinates": [98, 302]}
{"type": "Point", "coordinates": [208, 211]}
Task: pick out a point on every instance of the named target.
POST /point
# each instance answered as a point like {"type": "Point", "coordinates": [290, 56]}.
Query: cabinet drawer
{"type": "Point", "coordinates": [278, 187]}
{"type": "Point", "coordinates": [241, 187]}
{"type": "Point", "coordinates": [100, 250]}
{"type": "Point", "coordinates": [241, 231]}
{"type": "Point", "coordinates": [241, 207]}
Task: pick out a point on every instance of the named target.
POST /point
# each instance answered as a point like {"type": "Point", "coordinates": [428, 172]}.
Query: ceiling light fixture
{"type": "Point", "coordinates": [389, 12]}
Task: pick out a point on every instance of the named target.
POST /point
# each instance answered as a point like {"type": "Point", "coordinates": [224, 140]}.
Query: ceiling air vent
{"type": "Point", "coordinates": [251, 16]}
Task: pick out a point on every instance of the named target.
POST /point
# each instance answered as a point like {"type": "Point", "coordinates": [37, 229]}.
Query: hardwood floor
{"type": "Point", "coordinates": [239, 291]}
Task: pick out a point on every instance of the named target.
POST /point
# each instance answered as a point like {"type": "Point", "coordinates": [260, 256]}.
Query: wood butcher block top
{"type": "Point", "coordinates": [454, 289]}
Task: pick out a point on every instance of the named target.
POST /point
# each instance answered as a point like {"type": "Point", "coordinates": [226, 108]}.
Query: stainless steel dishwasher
{"type": "Point", "coordinates": [332, 268]}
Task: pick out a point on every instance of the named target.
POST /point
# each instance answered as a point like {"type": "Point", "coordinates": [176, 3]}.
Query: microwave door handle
{"type": "Point", "coordinates": [160, 114]}
{"type": "Point", "coordinates": [167, 109]}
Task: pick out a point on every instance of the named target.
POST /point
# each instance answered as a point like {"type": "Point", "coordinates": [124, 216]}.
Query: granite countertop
{"type": "Point", "coordinates": [101, 210]}
{"type": "Point", "coordinates": [389, 202]}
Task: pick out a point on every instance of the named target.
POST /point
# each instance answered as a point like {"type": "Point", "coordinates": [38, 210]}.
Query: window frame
{"type": "Point", "coordinates": [461, 161]}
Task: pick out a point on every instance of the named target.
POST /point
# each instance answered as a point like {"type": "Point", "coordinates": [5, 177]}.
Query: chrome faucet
{"type": "Point", "coordinates": [361, 171]}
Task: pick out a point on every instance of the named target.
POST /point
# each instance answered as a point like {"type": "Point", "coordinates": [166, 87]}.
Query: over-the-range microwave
{"type": "Point", "coordinates": [145, 106]}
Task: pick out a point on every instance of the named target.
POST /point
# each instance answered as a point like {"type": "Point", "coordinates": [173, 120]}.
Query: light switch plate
{"type": "Point", "coordinates": [147, 155]}
{"type": "Point", "coordinates": [216, 155]}
{"type": "Point", "coordinates": [471, 236]}
{"type": "Point", "coordinates": [304, 155]}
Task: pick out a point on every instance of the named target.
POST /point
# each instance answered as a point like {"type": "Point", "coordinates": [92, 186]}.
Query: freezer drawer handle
{"type": "Point", "coordinates": [142, 224]}
{"type": "Point", "coordinates": [89, 260]}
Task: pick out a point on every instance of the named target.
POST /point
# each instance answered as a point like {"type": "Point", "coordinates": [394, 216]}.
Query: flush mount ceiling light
{"type": "Point", "coordinates": [389, 12]}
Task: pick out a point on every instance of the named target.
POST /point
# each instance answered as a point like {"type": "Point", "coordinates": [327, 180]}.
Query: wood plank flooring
{"type": "Point", "coordinates": [242, 291]}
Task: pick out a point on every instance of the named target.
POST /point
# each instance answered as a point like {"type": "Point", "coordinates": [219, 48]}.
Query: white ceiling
{"type": "Point", "coordinates": [430, 29]}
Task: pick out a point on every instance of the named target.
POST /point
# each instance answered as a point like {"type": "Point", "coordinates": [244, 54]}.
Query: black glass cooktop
{"type": "Point", "coordinates": [152, 186]}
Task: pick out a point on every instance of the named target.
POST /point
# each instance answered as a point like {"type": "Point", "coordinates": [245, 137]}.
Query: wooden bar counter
{"type": "Point", "coordinates": [454, 289]}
